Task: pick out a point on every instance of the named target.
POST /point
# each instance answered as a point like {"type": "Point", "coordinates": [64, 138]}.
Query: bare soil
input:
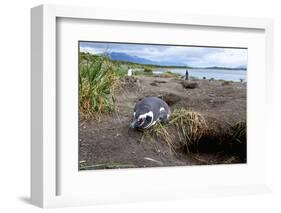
{"type": "Point", "coordinates": [109, 143]}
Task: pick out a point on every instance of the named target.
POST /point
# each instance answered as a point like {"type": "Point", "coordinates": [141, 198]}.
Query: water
{"type": "Point", "coordinates": [217, 74]}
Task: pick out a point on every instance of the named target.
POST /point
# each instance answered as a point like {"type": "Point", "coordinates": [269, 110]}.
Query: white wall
{"type": "Point", "coordinates": [15, 98]}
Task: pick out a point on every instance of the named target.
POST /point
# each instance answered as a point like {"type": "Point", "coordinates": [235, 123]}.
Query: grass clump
{"type": "Point", "coordinates": [121, 72]}
{"type": "Point", "coordinates": [147, 69]}
{"type": "Point", "coordinates": [169, 74]}
{"type": "Point", "coordinates": [184, 129]}
{"type": "Point", "coordinates": [143, 73]}
{"type": "Point", "coordinates": [97, 82]}
{"type": "Point", "coordinates": [161, 131]}
{"type": "Point", "coordinates": [190, 126]}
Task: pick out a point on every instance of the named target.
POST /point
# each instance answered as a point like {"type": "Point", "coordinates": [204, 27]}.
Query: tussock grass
{"type": "Point", "coordinates": [190, 126]}
{"type": "Point", "coordinates": [184, 126]}
{"type": "Point", "coordinates": [147, 69]}
{"type": "Point", "coordinates": [97, 82]}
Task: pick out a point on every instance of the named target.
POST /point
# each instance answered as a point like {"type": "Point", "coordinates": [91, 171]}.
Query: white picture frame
{"type": "Point", "coordinates": [44, 149]}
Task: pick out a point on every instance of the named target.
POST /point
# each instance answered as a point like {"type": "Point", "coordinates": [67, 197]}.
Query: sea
{"type": "Point", "coordinates": [217, 74]}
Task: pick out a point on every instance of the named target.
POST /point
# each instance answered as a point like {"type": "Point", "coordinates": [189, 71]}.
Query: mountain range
{"type": "Point", "coordinates": [118, 56]}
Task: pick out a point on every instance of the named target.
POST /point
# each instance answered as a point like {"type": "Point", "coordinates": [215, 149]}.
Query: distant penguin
{"type": "Point", "coordinates": [130, 72]}
{"type": "Point", "coordinates": [148, 111]}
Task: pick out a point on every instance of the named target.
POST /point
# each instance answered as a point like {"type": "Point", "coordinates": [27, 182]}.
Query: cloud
{"type": "Point", "coordinates": [228, 57]}
{"type": "Point", "coordinates": [185, 55]}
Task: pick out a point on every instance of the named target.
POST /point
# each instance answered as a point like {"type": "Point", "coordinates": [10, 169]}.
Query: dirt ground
{"type": "Point", "coordinates": [109, 143]}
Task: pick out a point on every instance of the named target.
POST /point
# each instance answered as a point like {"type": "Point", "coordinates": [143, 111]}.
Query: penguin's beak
{"type": "Point", "coordinates": [133, 124]}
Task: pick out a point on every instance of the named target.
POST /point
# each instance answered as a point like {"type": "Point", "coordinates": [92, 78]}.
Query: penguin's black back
{"type": "Point", "coordinates": [153, 104]}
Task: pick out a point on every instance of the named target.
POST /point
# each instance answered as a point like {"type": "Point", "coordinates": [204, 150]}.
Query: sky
{"type": "Point", "coordinates": [184, 55]}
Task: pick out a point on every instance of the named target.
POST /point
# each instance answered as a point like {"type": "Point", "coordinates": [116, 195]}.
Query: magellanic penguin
{"type": "Point", "coordinates": [148, 111]}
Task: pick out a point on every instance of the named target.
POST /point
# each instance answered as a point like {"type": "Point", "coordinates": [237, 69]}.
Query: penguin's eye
{"type": "Point", "coordinates": [148, 119]}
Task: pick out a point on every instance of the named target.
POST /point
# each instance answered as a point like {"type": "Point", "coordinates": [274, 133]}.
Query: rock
{"type": "Point", "coordinates": [154, 84]}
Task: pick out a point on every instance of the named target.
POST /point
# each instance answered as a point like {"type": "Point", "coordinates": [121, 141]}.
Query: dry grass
{"type": "Point", "coordinates": [190, 126]}
{"type": "Point", "coordinates": [184, 126]}
{"type": "Point", "coordinates": [161, 131]}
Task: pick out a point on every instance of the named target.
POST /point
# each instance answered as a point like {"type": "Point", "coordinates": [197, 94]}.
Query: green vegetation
{"type": "Point", "coordinates": [168, 74]}
{"type": "Point", "coordinates": [148, 72]}
{"type": "Point", "coordinates": [97, 82]}
{"type": "Point", "coordinates": [147, 69]}
{"type": "Point", "coordinates": [120, 72]}
{"type": "Point", "coordinates": [143, 73]}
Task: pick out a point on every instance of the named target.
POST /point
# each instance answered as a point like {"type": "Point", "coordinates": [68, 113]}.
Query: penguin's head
{"type": "Point", "coordinates": [143, 118]}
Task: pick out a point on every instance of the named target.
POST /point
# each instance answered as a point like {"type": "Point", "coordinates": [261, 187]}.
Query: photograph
{"type": "Point", "coordinates": [161, 105]}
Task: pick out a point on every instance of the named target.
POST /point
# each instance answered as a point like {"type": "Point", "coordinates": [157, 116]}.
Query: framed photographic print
{"type": "Point", "coordinates": [130, 106]}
